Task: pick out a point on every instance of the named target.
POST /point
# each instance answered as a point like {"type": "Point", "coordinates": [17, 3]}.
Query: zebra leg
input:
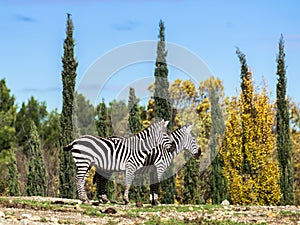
{"type": "Point", "coordinates": [80, 182]}
{"type": "Point", "coordinates": [129, 175]}
{"type": "Point", "coordinates": [101, 182]}
{"type": "Point", "coordinates": [154, 186]}
{"type": "Point", "coordinates": [80, 189]}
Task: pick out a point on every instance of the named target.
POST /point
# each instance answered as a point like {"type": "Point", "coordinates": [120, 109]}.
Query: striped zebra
{"type": "Point", "coordinates": [122, 154]}
{"type": "Point", "coordinates": [157, 161]}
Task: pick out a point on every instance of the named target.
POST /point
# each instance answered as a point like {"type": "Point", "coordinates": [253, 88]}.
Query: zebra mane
{"type": "Point", "coordinates": [146, 129]}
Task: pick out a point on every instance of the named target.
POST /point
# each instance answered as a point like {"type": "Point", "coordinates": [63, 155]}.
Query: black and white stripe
{"type": "Point", "coordinates": [157, 161]}
{"type": "Point", "coordinates": [116, 154]}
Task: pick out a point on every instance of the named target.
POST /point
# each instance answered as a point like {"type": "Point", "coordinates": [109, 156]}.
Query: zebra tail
{"type": "Point", "coordinates": [69, 147]}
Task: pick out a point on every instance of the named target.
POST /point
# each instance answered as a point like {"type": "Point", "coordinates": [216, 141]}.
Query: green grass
{"type": "Point", "coordinates": [289, 213]}
{"type": "Point", "coordinates": [90, 211]}
{"type": "Point", "coordinates": [43, 220]}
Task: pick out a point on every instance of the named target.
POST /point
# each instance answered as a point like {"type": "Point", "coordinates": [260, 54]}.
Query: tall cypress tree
{"type": "Point", "coordinates": [104, 129]}
{"type": "Point", "coordinates": [137, 192]}
{"type": "Point", "coordinates": [284, 142]}
{"type": "Point", "coordinates": [103, 120]}
{"type": "Point", "coordinates": [37, 179]}
{"type": "Point", "coordinates": [247, 109]}
{"type": "Point", "coordinates": [67, 186]}
{"type": "Point", "coordinates": [13, 182]}
{"type": "Point", "coordinates": [218, 182]}
{"type": "Point", "coordinates": [134, 119]}
{"type": "Point", "coordinates": [163, 107]}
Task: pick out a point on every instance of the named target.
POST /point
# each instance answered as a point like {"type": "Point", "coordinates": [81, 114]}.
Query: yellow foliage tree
{"type": "Point", "coordinates": [248, 148]}
{"type": "Point", "coordinates": [90, 187]}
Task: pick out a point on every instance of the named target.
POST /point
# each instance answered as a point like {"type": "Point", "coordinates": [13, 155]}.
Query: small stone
{"type": "Point", "coordinates": [77, 206]}
{"type": "Point", "coordinates": [139, 204]}
{"type": "Point", "coordinates": [25, 221]}
{"type": "Point", "coordinates": [2, 214]}
{"type": "Point", "coordinates": [53, 219]}
{"type": "Point", "coordinates": [26, 216]}
{"type": "Point", "coordinates": [191, 208]}
{"type": "Point", "coordinates": [110, 211]}
{"type": "Point", "coordinates": [36, 218]}
{"type": "Point", "coordinates": [225, 202]}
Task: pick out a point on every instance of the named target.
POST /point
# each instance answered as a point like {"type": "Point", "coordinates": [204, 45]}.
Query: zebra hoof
{"type": "Point", "coordinates": [155, 202]}
{"type": "Point", "coordinates": [103, 199]}
{"type": "Point", "coordinates": [126, 200]}
{"type": "Point", "coordinates": [85, 201]}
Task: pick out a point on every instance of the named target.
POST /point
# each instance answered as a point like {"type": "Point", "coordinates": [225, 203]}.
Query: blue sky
{"type": "Point", "coordinates": [32, 34]}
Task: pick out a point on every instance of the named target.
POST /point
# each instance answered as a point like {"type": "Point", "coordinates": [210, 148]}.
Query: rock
{"type": "Point", "coordinates": [26, 216]}
{"type": "Point", "coordinates": [139, 204]}
{"type": "Point", "coordinates": [35, 218]}
{"type": "Point", "coordinates": [2, 214]}
{"type": "Point", "coordinates": [77, 207]}
{"type": "Point", "coordinates": [110, 211]}
{"type": "Point", "coordinates": [25, 221]}
{"type": "Point", "coordinates": [53, 219]}
{"type": "Point", "coordinates": [225, 202]}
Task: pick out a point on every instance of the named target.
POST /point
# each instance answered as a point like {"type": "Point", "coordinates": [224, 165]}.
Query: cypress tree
{"type": "Point", "coordinates": [163, 108]}
{"type": "Point", "coordinates": [284, 142]}
{"type": "Point", "coordinates": [37, 180]}
{"type": "Point", "coordinates": [13, 182]}
{"type": "Point", "coordinates": [104, 129]}
{"type": "Point", "coordinates": [218, 182]}
{"type": "Point", "coordinates": [134, 119]}
{"type": "Point", "coordinates": [138, 191]}
{"type": "Point", "coordinates": [103, 121]}
{"type": "Point", "coordinates": [247, 109]}
{"type": "Point", "coordinates": [67, 173]}
{"type": "Point", "coordinates": [191, 179]}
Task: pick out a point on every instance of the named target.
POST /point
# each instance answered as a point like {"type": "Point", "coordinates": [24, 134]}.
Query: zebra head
{"type": "Point", "coordinates": [190, 142]}
{"type": "Point", "coordinates": [162, 136]}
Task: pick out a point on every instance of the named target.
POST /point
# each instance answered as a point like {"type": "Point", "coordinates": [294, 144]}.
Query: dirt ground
{"type": "Point", "coordinates": [72, 212]}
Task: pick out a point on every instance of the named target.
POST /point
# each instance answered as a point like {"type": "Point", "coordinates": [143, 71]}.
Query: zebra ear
{"type": "Point", "coordinates": [189, 128]}
{"type": "Point", "coordinates": [166, 123]}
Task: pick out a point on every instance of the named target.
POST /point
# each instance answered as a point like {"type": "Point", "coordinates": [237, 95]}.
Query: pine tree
{"type": "Point", "coordinates": [7, 116]}
{"type": "Point", "coordinates": [8, 171]}
{"type": "Point", "coordinates": [218, 182]}
{"type": "Point", "coordinates": [284, 142]}
{"type": "Point", "coordinates": [32, 111]}
{"type": "Point", "coordinates": [13, 181]}
{"type": "Point", "coordinates": [163, 108]}
{"type": "Point", "coordinates": [67, 188]}
{"type": "Point", "coordinates": [37, 179]}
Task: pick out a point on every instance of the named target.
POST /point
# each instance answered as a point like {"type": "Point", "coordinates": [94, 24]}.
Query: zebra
{"type": "Point", "coordinates": [157, 161]}
{"type": "Point", "coordinates": [122, 154]}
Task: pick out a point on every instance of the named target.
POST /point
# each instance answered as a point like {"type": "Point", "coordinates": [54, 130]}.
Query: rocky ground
{"type": "Point", "coordinates": [38, 210]}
